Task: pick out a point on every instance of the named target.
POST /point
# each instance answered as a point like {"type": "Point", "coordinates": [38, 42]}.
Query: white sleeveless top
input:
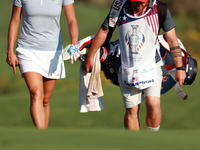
{"type": "Point", "coordinates": [138, 44]}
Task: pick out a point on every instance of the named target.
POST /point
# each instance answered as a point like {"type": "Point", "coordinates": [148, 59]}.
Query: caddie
{"type": "Point", "coordinates": [139, 74]}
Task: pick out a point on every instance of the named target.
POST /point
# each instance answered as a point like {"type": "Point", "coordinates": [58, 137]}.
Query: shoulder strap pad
{"type": "Point", "coordinates": [115, 11]}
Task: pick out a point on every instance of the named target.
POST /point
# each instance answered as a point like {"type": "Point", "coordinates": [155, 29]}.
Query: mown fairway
{"type": "Point", "coordinates": [69, 129]}
{"type": "Point", "coordinates": [96, 139]}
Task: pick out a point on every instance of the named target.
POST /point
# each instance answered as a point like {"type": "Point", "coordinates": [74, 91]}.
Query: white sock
{"type": "Point", "coordinates": [153, 129]}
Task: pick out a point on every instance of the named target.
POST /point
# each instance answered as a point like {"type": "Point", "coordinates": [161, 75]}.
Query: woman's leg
{"type": "Point", "coordinates": [48, 85]}
{"type": "Point", "coordinates": [34, 82]}
{"type": "Point", "coordinates": [40, 92]}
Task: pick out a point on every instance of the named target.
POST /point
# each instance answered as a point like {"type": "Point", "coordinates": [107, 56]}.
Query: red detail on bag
{"type": "Point", "coordinates": [169, 66]}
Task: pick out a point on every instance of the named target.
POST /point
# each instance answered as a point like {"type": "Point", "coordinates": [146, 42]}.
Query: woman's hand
{"type": "Point", "coordinates": [12, 60]}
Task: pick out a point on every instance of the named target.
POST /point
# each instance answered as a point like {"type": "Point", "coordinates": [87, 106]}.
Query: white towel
{"type": "Point", "coordinates": [90, 88]}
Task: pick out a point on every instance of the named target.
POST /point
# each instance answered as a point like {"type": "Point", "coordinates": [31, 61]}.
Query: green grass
{"type": "Point", "coordinates": [14, 96]}
{"type": "Point", "coordinates": [177, 113]}
{"type": "Point", "coordinates": [98, 139]}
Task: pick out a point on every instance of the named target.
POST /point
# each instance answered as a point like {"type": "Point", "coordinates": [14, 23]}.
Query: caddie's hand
{"type": "Point", "coordinates": [74, 53]}
{"type": "Point", "coordinates": [12, 60]}
{"type": "Point", "coordinates": [180, 76]}
{"type": "Point", "coordinates": [89, 64]}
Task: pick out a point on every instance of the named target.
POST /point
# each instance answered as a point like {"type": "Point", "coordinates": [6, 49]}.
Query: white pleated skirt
{"type": "Point", "coordinates": [49, 64]}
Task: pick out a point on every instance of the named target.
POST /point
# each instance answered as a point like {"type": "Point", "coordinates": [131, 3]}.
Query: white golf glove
{"type": "Point", "coordinates": [74, 53]}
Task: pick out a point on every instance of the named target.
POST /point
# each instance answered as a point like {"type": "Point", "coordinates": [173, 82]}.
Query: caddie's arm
{"type": "Point", "coordinates": [97, 42]}
{"type": "Point", "coordinates": [176, 54]}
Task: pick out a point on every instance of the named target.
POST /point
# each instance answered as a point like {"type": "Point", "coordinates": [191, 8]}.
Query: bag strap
{"type": "Point", "coordinates": [115, 11]}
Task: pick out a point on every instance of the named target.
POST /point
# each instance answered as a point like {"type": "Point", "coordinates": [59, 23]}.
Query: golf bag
{"type": "Point", "coordinates": [169, 69]}
{"type": "Point", "coordinates": [111, 63]}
